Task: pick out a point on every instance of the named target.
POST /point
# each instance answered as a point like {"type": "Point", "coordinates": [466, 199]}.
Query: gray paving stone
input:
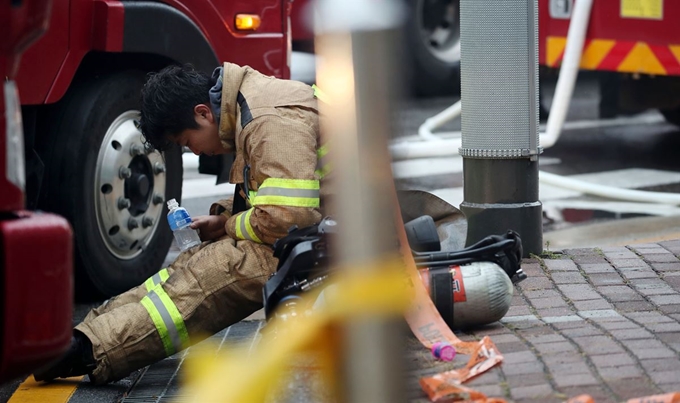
{"type": "Point", "coordinates": [653, 353]}
{"type": "Point", "coordinates": [666, 267]}
{"type": "Point", "coordinates": [550, 293]}
{"type": "Point", "coordinates": [597, 268]}
{"type": "Point", "coordinates": [666, 257]}
{"type": "Point", "coordinates": [545, 338]}
{"type": "Point", "coordinates": [622, 263]}
{"type": "Point", "coordinates": [552, 348]}
{"type": "Point", "coordinates": [600, 313]}
{"type": "Point", "coordinates": [665, 299]}
{"type": "Point", "coordinates": [612, 360]}
{"type": "Point", "coordinates": [619, 325]}
{"type": "Point", "coordinates": [535, 283]}
{"type": "Point", "coordinates": [638, 272]}
{"type": "Point", "coordinates": [568, 368]}
{"type": "Point", "coordinates": [648, 317]}
{"type": "Point", "coordinates": [631, 334]}
{"type": "Point", "coordinates": [665, 377]}
{"type": "Point", "coordinates": [550, 312]}
{"type": "Point", "coordinates": [582, 379]}
{"type": "Point", "coordinates": [620, 253]}
{"type": "Point", "coordinates": [598, 345]}
{"type": "Point", "coordinates": [578, 292]}
{"type": "Point", "coordinates": [620, 372]}
{"type": "Point", "coordinates": [592, 304]}
{"type": "Point", "coordinates": [535, 391]}
{"type": "Point", "coordinates": [568, 278]}
{"type": "Point", "coordinates": [548, 302]}
{"type": "Point", "coordinates": [663, 327]}
{"type": "Point", "coordinates": [555, 265]}
{"type": "Point", "coordinates": [606, 279]}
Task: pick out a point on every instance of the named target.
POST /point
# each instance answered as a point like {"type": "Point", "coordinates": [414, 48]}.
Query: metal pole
{"type": "Point", "coordinates": [499, 92]}
{"type": "Point", "coordinates": [356, 72]}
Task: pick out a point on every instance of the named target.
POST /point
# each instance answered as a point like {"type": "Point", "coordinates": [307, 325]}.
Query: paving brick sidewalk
{"type": "Point", "coordinates": [604, 322]}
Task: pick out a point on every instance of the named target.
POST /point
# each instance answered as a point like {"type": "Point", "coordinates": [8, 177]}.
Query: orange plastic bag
{"type": "Point", "coordinates": [673, 397]}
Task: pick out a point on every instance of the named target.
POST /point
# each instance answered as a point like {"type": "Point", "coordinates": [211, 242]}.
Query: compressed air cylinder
{"type": "Point", "coordinates": [471, 295]}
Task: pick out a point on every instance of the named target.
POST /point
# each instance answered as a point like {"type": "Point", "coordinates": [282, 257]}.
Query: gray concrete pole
{"type": "Point", "coordinates": [499, 92]}
{"type": "Point", "coordinates": [357, 72]}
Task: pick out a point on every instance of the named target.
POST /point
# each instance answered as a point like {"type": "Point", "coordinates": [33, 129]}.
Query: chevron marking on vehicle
{"type": "Point", "coordinates": [621, 56]}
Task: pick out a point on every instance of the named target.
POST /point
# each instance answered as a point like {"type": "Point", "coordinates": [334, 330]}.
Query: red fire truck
{"type": "Point", "coordinates": [635, 44]}
{"type": "Point", "coordinates": [36, 290]}
{"type": "Point", "coordinates": [80, 87]}
{"type": "Point", "coordinates": [636, 41]}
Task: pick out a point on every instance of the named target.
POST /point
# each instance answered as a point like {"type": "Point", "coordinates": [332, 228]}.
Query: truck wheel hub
{"type": "Point", "coordinates": [439, 30]}
{"type": "Point", "coordinates": [120, 150]}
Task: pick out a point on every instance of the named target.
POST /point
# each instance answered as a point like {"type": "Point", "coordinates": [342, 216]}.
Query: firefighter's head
{"type": "Point", "coordinates": [176, 109]}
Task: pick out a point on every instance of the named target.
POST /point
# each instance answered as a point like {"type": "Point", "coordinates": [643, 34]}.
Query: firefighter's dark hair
{"type": "Point", "coordinates": [168, 100]}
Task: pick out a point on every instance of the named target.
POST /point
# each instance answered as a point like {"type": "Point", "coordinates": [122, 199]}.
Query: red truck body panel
{"type": "Point", "coordinates": [37, 291]}
{"type": "Point", "coordinates": [620, 37]}
{"type": "Point", "coordinates": [36, 263]}
{"type": "Point", "coordinates": [81, 26]}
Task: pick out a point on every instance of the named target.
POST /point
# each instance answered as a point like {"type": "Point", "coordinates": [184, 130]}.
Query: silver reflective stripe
{"type": "Point", "coordinates": [276, 191]}
{"type": "Point", "coordinates": [167, 319]}
{"type": "Point", "coordinates": [156, 278]}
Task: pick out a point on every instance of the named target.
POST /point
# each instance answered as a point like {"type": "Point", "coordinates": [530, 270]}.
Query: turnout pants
{"type": "Point", "coordinates": [206, 289]}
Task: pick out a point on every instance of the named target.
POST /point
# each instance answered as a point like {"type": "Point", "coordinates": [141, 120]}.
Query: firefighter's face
{"type": "Point", "coordinates": [205, 139]}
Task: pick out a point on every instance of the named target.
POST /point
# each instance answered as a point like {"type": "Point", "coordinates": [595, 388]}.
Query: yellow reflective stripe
{"type": "Point", "coordinates": [288, 192]}
{"type": "Point", "coordinates": [323, 171]}
{"type": "Point", "coordinates": [167, 319]}
{"type": "Point", "coordinates": [323, 167]}
{"type": "Point", "coordinates": [244, 230]}
{"type": "Point", "coordinates": [320, 94]}
{"type": "Point", "coordinates": [160, 325]}
{"type": "Point", "coordinates": [322, 151]}
{"type": "Point", "coordinates": [156, 279]}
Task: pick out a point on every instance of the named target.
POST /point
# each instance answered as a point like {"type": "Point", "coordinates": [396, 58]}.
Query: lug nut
{"type": "Point", "coordinates": [124, 172]}
{"type": "Point", "coordinates": [123, 203]}
{"type": "Point", "coordinates": [147, 222]}
{"type": "Point", "coordinates": [158, 199]}
{"type": "Point", "coordinates": [136, 150]}
{"type": "Point", "coordinates": [158, 168]}
{"type": "Point", "coordinates": [132, 224]}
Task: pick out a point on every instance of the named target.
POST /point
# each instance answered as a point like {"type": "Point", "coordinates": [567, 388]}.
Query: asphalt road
{"type": "Point", "coordinates": [638, 152]}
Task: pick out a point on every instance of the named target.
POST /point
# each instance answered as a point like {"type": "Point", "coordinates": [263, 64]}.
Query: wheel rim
{"type": "Point", "coordinates": [440, 32]}
{"type": "Point", "coordinates": [129, 189]}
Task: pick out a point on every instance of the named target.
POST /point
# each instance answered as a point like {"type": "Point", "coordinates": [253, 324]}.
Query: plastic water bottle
{"type": "Point", "coordinates": [179, 221]}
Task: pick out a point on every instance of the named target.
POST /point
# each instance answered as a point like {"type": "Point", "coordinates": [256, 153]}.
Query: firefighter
{"type": "Point", "coordinates": [272, 126]}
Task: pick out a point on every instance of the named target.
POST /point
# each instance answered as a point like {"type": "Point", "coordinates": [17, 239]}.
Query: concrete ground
{"type": "Point", "coordinates": [598, 321]}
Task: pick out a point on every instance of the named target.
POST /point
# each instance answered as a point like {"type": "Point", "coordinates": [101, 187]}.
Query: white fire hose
{"type": "Point", "coordinates": [431, 145]}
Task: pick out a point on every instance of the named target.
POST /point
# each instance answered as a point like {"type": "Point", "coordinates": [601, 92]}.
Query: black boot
{"type": "Point", "coordinates": [78, 360]}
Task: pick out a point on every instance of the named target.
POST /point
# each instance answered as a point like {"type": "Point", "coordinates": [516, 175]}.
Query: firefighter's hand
{"type": "Point", "coordinates": [209, 226]}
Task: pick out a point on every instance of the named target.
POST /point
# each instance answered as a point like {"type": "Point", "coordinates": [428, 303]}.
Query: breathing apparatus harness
{"type": "Point", "coordinates": [304, 257]}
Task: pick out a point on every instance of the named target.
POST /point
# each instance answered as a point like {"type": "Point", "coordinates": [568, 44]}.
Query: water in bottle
{"type": "Point", "coordinates": [179, 220]}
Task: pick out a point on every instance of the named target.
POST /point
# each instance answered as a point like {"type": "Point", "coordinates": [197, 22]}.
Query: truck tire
{"type": "Point", "coordinates": [672, 116]}
{"type": "Point", "coordinates": [432, 33]}
{"type": "Point", "coordinates": [111, 188]}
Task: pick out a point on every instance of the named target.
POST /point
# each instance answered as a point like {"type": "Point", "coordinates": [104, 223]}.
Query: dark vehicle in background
{"type": "Point", "coordinates": [36, 269]}
{"type": "Point", "coordinates": [80, 87]}
{"type": "Point", "coordinates": [431, 34]}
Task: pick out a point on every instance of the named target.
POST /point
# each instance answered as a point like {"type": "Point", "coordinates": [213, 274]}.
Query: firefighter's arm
{"type": "Point", "coordinates": [282, 154]}
{"type": "Point", "coordinates": [223, 206]}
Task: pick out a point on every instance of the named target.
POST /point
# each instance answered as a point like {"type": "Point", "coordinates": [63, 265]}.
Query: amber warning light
{"type": "Point", "coordinates": [247, 22]}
